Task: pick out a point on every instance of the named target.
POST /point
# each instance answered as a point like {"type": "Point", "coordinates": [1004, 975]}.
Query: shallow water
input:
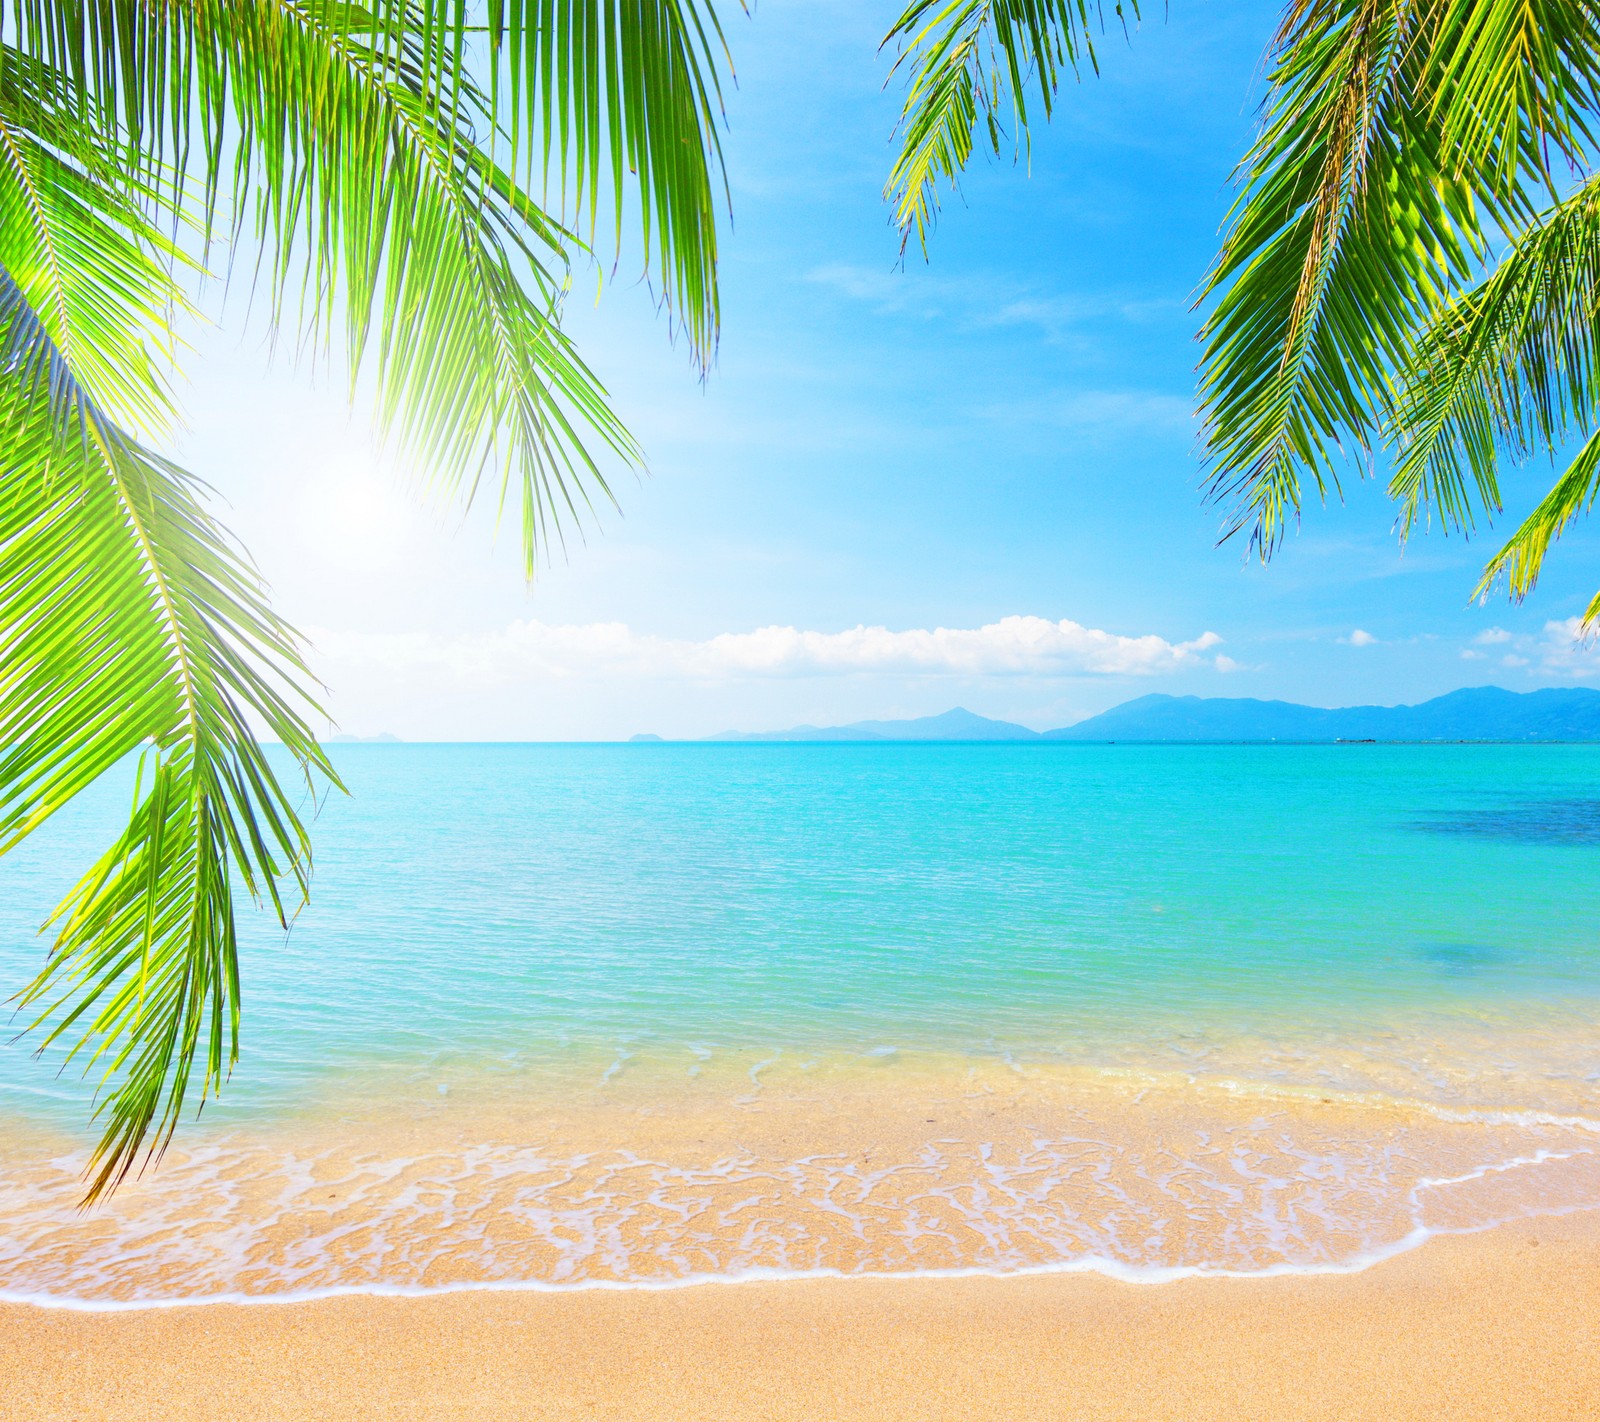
{"type": "Point", "coordinates": [565, 1015]}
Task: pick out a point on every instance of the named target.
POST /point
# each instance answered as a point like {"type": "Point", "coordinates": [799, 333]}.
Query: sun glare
{"type": "Point", "coordinates": [357, 519]}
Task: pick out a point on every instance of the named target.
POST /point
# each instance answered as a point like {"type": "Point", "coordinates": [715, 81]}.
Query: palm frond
{"type": "Point", "coordinates": [972, 59]}
{"type": "Point", "coordinates": [1522, 558]}
{"type": "Point", "coordinates": [129, 624]}
{"type": "Point", "coordinates": [1507, 74]}
{"type": "Point", "coordinates": [1510, 365]}
{"type": "Point", "coordinates": [592, 93]}
{"type": "Point", "coordinates": [1384, 167]}
{"type": "Point", "coordinates": [379, 156]}
{"type": "Point", "coordinates": [1318, 278]}
{"type": "Point", "coordinates": [390, 218]}
{"type": "Point", "coordinates": [608, 94]}
{"type": "Point", "coordinates": [78, 241]}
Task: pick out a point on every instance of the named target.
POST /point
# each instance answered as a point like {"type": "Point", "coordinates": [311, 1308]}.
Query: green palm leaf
{"type": "Point", "coordinates": [1397, 143]}
{"type": "Point", "coordinates": [972, 59]}
{"type": "Point", "coordinates": [1522, 558]}
{"type": "Point", "coordinates": [396, 162]}
{"type": "Point", "coordinates": [1511, 79]}
{"type": "Point", "coordinates": [448, 278]}
{"type": "Point", "coordinates": [128, 622]}
{"type": "Point", "coordinates": [78, 243]}
{"type": "Point", "coordinates": [1348, 219]}
{"type": "Point", "coordinates": [1402, 139]}
{"type": "Point", "coordinates": [618, 92]}
{"type": "Point", "coordinates": [1509, 365]}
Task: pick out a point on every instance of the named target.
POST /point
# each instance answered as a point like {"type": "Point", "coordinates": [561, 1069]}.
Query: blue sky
{"type": "Point", "coordinates": [993, 443]}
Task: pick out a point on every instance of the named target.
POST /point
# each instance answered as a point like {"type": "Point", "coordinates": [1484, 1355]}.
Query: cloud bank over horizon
{"type": "Point", "coordinates": [1012, 646]}
{"type": "Point", "coordinates": [1561, 649]}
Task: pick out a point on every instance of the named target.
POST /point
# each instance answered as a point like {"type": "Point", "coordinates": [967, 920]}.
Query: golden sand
{"type": "Point", "coordinates": [1502, 1325]}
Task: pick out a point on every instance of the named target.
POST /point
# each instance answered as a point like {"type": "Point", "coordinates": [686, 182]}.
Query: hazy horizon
{"type": "Point", "coordinates": [388, 737]}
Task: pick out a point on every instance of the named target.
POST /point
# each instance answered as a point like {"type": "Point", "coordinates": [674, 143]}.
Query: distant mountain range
{"type": "Point", "coordinates": [1480, 713]}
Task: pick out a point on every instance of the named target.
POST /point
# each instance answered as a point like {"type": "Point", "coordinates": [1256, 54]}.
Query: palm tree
{"type": "Point", "coordinates": [383, 174]}
{"type": "Point", "coordinates": [1412, 265]}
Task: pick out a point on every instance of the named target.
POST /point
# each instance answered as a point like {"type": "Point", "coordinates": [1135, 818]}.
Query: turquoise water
{"type": "Point", "coordinates": [566, 1015]}
{"type": "Point", "coordinates": [507, 904]}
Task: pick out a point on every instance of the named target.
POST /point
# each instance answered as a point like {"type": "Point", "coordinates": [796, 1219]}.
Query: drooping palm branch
{"type": "Point", "coordinates": [416, 180]}
{"type": "Point", "coordinates": [1358, 306]}
{"type": "Point", "coordinates": [1402, 139]}
{"type": "Point", "coordinates": [968, 60]}
{"type": "Point", "coordinates": [1511, 366]}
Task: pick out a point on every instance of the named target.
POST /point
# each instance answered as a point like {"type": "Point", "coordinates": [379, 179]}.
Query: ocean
{"type": "Point", "coordinates": [642, 1015]}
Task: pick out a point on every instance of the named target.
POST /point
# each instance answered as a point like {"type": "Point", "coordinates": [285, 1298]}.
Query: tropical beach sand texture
{"type": "Point", "coordinates": [1500, 1325]}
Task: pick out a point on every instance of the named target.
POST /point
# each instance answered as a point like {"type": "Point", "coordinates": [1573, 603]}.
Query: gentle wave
{"type": "Point", "coordinates": [1148, 1186]}
{"type": "Point", "coordinates": [1107, 1268]}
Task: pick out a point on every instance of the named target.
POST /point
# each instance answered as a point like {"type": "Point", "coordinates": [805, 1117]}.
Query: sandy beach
{"type": "Point", "coordinates": [1502, 1325]}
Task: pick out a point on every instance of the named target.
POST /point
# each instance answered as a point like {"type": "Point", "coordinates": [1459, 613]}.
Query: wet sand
{"type": "Point", "coordinates": [1501, 1325]}
{"type": "Point", "coordinates": [894, 1169]}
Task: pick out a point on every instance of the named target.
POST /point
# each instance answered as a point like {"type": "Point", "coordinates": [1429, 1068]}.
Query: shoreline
{"type": "Point", "coordinates": [1144, 1277]}
{"type": "Point", "coordinates": [1500, 1324]}
{"type": "Point", "coordinates": [898, 1173]}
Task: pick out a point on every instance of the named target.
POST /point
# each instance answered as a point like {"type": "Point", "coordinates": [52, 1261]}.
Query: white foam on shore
{"type": "Point", "coordinates": [1148, 1275]}
{"type": "Point", "coordinates": [1248, 1200]}
{"type": "Point", "coordinates": [1240, 1179]}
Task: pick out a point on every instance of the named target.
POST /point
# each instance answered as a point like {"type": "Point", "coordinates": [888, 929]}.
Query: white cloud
{"type": "Point", "coordinates": [886, 289]}
{"type": "Point", "coordinates": [1558, 650]}
{"type": "Point", "coordinates": [1565, 633]}
{"type": "Point", "coordinates": [1058, 317]}
{"type": "Point", "coordinates": [981, 300]}
{"type": "Point", "coordinates": [1358, 638]}
{"type": "Point", "coordinates": [1013, 646]}
{"type": "Point", "coordinates": [1563, 649]}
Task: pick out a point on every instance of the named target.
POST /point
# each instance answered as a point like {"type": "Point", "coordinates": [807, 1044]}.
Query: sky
{"type": "Point", "coordinates": [904, 486]}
